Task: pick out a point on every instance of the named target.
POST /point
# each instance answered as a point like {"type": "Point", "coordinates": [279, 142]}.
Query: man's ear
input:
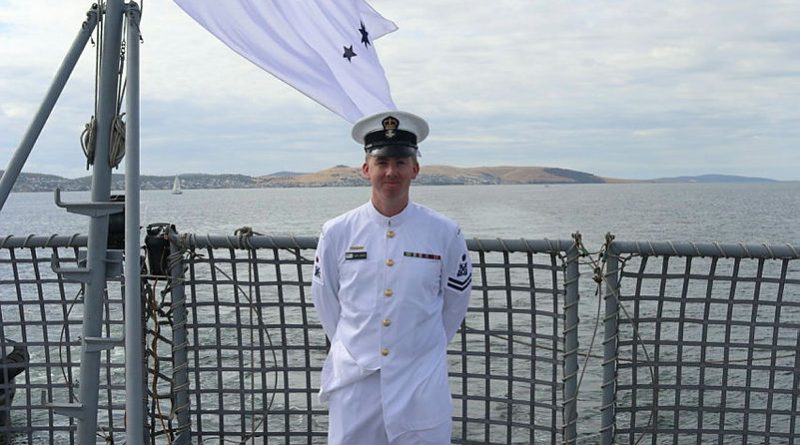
{"type": "Point", "coordinates": [365, 170]}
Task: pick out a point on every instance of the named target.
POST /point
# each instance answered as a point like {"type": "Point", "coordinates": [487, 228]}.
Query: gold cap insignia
{"type": "Point", "coordinates": [390, 124]}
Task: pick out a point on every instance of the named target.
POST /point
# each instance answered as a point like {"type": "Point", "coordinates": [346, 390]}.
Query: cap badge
{"type": "Point", "coordinates": [390, 124]}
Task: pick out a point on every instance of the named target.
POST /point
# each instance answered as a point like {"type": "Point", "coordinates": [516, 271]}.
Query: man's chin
{"type": "Point", "coordinates": [392, 191]}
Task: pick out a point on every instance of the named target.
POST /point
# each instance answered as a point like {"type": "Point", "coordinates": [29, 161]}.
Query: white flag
{"type": "Point", "coordinates": [323, 48]}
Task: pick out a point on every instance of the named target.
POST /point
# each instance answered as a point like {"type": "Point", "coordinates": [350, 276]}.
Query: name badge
{"type": "Point", "coordinates": [355, 255]}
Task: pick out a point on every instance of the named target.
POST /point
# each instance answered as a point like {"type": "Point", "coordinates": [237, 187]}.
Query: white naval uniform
{"type": "Point", "coordinates": [391, 292]}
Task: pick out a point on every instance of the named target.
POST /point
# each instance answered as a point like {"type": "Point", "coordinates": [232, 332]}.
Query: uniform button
{"type": "Point", "coordinates": [390, 262]}
{"type": "Point", "coordinates": [390, 234]}
{"type": "Point", "coordinates": [385, 352]}
{"type": "Point", "coordinates": [388, 293]}
{"type": "Point", "coordinates": [387, 322]}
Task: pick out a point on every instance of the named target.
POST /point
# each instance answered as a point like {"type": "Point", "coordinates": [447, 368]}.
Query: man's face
{"type": "Point", "coordinates": [390, 177]}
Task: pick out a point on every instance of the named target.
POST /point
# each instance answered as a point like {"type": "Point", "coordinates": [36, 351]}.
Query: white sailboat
{"type": "Point", "coordinates": [176, 186]}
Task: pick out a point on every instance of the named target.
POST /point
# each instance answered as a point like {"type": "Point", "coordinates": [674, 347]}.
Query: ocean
{"type": "Point", "coordinates": [726, 213]}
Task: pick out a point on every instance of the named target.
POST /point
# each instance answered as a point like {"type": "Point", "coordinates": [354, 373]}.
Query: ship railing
{"type": "Point", "coordinates": [700, 342]}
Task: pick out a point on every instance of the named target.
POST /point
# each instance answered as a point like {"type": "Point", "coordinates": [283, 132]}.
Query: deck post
{"type": "Point", "coordinates": [180, 372]}
{"type": "Point", "coordinates": [135, 400]}
{"type": "Point", "coordinates": [610, 342]}
{"type": "Point", "coordinates": [98, 224]}
{"type": "Point", "coordinates": [571, 346]}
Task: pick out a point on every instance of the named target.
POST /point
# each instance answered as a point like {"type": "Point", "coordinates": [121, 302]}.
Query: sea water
{"type": "Point", "coordinates": [726, 213]}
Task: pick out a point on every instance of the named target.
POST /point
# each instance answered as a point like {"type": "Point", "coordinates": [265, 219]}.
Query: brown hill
{"type": "Point", "coordinates": [342, 175]}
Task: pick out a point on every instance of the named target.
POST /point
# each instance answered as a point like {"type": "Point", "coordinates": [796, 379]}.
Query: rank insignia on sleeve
{"type": "Point", "coordinates": [427, 256]}
{"type": "Point", "coordinates": [355, 255]}
{"type": "Point", "coordinates": [459, 285]}
{"type": "Point", "coordinates": [462, 270]}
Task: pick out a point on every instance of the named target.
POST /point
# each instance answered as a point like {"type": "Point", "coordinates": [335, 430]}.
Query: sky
{"type": "Point", "coordinates": [620, 89]}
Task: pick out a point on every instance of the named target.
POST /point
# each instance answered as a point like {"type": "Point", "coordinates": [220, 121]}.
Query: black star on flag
{"type": "Point", "coordinates": [364, 35]}
{"type": "Point", "coordinates": [348, 53]}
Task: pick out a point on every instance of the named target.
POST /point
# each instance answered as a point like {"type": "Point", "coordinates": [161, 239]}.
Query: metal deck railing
{"type": "Point", "coordinates": [256, 346]}
{"type": "Point", "coordinates": [43, 311]}
{"type": "Point", "coordinates": [701, 343]}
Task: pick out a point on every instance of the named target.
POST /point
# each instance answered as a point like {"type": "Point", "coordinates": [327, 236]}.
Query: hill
{"type": "Point", "coordinates": [342, 175]}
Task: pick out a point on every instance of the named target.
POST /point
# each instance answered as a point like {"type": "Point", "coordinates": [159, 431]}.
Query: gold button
{"type": "Point", "coordinates": [385, 351]}
{"type": "Point", "coordinates": [387, 322]}
{"type": "Point", "coordinates": [390, 262]}
{"type": "Point", "coordinates": [388, 293]}
{"type": "Point", "coordinates": [390, 234]}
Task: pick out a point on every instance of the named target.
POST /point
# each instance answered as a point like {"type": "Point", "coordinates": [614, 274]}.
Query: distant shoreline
{"type": "Point", "coordinates": [344, 176]}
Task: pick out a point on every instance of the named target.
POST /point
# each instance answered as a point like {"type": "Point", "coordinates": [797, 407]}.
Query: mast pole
{"type": "Point", "coordinates": [98, 224]}
{"type": "Point", "coordinates": [134, 352]}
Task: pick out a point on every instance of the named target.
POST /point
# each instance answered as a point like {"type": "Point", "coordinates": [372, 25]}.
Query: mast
{"type": "Point", "coordinates": [102, 262]}
{"type": "Point", "coordinates": [98, 226]}
{"type": "Point", "coordinates": [135, 397]}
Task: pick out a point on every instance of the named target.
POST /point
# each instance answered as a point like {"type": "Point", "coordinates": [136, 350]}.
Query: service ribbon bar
{"type": "Point", "coordinates": [427, 256]}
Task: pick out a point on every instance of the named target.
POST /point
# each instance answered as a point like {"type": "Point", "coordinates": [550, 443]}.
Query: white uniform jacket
{"type": "Point", "coordinates": [391, 293]}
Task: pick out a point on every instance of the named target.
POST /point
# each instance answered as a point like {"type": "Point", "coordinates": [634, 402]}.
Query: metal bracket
{"type": "Point", "coordinates": [80, 274]}
{"type": "Point", "coordinates": [67, 409]}
{"type": "Point", "coordinates": [93, 209]}
{"type": "Point", "coordinates": [97, 344]}
{"type": "Point", "coordinates": [114, 262]}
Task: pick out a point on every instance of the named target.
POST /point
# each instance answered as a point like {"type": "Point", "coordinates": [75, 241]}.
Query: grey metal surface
{"type": "Point", "coordinates": [609, 385]}
{"type": "Point", "coordinates": [98, 225]}
{"type": "Point", "coordinates": [135, 400]}
{"type": "Point", "coordinates": [180, 373]}
{"type": "Point", "coordinates": [707, 344]}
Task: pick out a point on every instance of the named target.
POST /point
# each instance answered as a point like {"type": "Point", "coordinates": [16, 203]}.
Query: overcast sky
{"type": "Point", "coordinates": [625, 89]}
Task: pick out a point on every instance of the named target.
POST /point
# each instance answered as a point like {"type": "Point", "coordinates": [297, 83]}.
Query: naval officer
{"type": "Point", "coordinates": [391, 285]}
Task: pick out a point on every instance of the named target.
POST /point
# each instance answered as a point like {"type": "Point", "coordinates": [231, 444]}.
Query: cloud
{"type": "Point", "coordinates": [624, 89]}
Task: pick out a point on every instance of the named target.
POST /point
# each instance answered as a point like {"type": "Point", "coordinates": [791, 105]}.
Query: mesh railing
{"type": "Point", "coordinates": [514, 362]}
{"type": "Point", "coordinates": [703, 344]}
{"type": "Point", "coordinates": [256, 346]}
{"type": "Point", "coordinates": [42, 312]}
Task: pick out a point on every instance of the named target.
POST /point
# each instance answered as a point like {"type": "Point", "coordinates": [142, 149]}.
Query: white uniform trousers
{"type": "Point", "coordinates": [356, 418]}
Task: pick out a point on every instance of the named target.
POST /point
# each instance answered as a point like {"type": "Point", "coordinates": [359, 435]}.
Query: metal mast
{"type": "Point", "coordinates": [134, 352]}
{"type": "Point", "coordinates": [100, 261]}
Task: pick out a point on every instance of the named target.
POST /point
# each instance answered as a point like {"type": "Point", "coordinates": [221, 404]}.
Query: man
{"type": "Point", "coordinates": [391, 286]}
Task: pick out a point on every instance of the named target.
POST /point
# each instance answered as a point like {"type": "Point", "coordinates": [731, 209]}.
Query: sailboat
{"type": "Point", "coordinates": [176, 186]}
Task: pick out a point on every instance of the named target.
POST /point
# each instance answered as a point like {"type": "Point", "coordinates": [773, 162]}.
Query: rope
{"type": "Point", "coordinates": [88, 140]}
{"type": "Point", "coordinates": [88, 137]}
{"type": "Point", "coordinates": [117, 144]}
{"type": "Point", "coordinates": [184, 242]}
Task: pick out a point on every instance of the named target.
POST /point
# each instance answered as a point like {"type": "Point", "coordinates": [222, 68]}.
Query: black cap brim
{"type": "Point", "coordinates": [393, 151]}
